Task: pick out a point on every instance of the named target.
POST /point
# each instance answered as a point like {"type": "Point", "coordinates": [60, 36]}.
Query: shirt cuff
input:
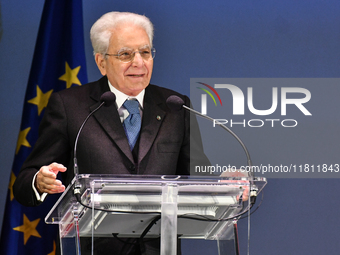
{"type": "Point", "coordinates": [39, 197]}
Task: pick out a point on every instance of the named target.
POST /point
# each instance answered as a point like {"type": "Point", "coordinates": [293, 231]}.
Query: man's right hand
{"type": "Point", "coordinates": [46, 179]}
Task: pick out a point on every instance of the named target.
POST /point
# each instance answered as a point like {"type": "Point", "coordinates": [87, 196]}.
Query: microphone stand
{"type": "Point", "coordinates": [107, 99]}
{"type": "Point", "coordinates": [253, 190]}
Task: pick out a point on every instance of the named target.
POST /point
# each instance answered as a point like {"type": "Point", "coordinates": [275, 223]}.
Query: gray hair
{"type": "Point", "coordinates": [101, 30]}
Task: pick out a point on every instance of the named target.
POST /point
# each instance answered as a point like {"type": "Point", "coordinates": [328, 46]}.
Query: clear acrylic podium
{"type": "Point", "coordinates": [138, 206]}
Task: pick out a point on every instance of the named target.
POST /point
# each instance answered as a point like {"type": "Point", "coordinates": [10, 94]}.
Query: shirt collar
{"type": "Point", "coordinates": [121, 97]}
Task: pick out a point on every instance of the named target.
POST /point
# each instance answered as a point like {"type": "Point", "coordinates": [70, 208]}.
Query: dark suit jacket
{"type": "Point", "coordinates": [164, 143]}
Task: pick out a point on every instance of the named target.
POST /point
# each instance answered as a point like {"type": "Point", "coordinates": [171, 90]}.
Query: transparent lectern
{"type": "Point", "coordinates": [142, 206]}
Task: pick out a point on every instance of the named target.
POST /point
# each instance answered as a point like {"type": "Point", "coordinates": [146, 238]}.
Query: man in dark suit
{"type": "Point", "coordinates": [124, 54]}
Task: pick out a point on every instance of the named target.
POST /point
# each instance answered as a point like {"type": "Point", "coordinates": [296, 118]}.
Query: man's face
{"type": "Point", "coordinates": [132, 77]}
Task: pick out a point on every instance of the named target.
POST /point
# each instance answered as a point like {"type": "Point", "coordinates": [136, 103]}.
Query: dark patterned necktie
{"type": "Point", "coordinates": [133, 122]}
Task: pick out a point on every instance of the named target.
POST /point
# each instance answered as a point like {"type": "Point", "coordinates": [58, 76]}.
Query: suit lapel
{"type": "Point", "coordinates": [109, 120]}
{"type": "Point", "coordinates": [153, 117]}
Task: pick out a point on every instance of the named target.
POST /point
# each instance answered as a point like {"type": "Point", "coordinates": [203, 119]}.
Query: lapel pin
{"type": "Point", "coordinates": [159, 117]}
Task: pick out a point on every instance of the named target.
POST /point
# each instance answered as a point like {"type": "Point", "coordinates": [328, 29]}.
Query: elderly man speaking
{"type": "Point", "coordinates": [138, 134]}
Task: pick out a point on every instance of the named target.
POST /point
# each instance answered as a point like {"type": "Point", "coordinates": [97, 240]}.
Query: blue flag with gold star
{"type": "Point", "coordinates": [58, 63]}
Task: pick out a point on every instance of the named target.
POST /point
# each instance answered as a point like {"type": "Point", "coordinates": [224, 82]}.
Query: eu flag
{"type": "Point", "coordinates": [58, 63]}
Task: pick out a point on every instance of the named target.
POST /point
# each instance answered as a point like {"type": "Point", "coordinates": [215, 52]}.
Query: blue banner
{"type": "Point", "coordinates": [58, 63]}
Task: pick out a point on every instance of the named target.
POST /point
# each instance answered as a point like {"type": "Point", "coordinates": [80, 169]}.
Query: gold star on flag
{"type": "Point", "coordinates": [28, 228]}
{"type": "Point", "coordinates": [11, 183]}
{"type": "Point", "coordinates": [70, 76]}
{"type": "Point", "coordinates": [41, 99]}
{"type": "Point", "coordinates": [22, 141]}
{"type": "Point", "coordinates": [54, 248]}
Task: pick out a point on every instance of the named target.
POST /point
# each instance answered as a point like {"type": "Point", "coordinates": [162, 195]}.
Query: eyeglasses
{"type": "Point", "coordinates": [127, 55]}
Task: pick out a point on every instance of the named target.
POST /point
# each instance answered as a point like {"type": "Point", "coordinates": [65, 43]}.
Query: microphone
{"type": "Point", "coordinates": [107, 99]}
{"type": "Point", "coordinates": [175, 103]}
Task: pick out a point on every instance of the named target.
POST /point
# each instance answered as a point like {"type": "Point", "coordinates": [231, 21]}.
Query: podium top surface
{"type": "Point", "coordinates": [162, 179]}
{"type": "Point", "coordinates": [149, 188]}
